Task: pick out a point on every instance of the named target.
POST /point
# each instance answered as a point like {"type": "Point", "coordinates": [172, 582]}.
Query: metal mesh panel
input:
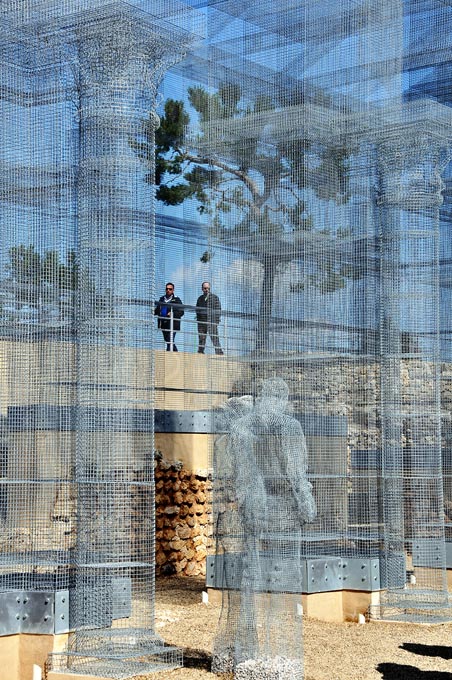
{"type": "Point", "coordinates": [304, 183]}
{"type": "Point", "coordinates": [262, 502]}
{"type": "Point", "coordinates": [325, 135]}
{"type": "Point", "coordinates": [77, 290]}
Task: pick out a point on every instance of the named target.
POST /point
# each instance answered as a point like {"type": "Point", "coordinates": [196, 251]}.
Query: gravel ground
{"type": "Point", "coordinates": [345, 651]}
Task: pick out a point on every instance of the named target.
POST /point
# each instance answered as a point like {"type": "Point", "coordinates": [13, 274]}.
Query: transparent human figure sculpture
{"type": "Point", "coordinates": [262, 500]}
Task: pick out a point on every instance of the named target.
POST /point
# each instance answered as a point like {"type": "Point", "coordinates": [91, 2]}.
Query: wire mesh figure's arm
{"type": "Point", "coordinates": [293, 456]}
{"type": "Point", "coordinates": [249, 485]}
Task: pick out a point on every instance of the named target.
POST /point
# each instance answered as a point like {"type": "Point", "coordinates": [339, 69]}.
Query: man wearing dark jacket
{"type": "Point", "coordinates": [208, 314]}
{"type": "Point", "coordinates": [169, 311]}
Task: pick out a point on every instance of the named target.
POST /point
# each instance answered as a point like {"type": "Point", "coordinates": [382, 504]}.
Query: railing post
{"type": "Point", "coordinates": [171, 331]}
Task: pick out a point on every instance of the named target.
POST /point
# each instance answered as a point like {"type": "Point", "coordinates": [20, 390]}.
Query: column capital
{"type": "Point", "coordinates": [121, 53]}
{"type": "Point", "coordinates": [411, 162]}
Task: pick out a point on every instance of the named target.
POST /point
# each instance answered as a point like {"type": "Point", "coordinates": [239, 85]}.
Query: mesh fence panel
{"type": "Point", "coordinates": [77, 292]}
{"type": "Point", "coordinates": [325, 136]}
{"type": "Point", "coordinates": [312, 149]}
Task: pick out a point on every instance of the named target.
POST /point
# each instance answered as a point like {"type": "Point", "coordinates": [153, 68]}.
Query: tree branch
{"type": "Point", "coordinates": [242, 176]}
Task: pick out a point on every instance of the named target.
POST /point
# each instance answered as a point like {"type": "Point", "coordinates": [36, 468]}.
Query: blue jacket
{"type": "Point", "coordinates": [162, 310]}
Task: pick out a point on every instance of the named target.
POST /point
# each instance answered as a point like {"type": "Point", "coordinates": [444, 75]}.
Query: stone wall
{"type": "Point", "coordinates": [183, 517]}
{"type": "Point", "coordinates": [350, 389]}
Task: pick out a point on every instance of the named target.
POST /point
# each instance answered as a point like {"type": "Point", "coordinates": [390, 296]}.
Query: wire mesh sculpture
{"type": "Point", "coordinates": [79, 237]}
{"type": "Point", "coordinates": [324, 129]}
{"type": "Point", "coordinates": [341, 246]}
{"type": "Point", "coordinates": [262, 501]}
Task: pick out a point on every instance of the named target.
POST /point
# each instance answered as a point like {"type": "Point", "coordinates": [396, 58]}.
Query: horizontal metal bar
{"type": "Point", "coordinates": [83, 418]}
{"type": "Point", "coordinates": [49, 612]}
{"type": "Point", "coordinates": [294, 575]}
{"type": "Point", "coordinates": [51, 417]}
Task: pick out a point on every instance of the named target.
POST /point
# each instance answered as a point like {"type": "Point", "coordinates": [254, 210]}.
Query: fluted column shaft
{"type": "Point", "coordinates": [409, 199]}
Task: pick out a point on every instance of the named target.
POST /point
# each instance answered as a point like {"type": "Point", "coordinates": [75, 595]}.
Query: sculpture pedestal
{"type": "Point", "coordinates": [21, 653]}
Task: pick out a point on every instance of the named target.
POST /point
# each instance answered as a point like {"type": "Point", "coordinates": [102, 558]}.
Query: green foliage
{"type": "Point", "coordinates": [170, 133]}
{"type": "Point", "coordinates": [25, 264]}
{"type": "Point", "coordinates": [47, 283]}
{"type": "Point", "coordinates": [331, 175]}
{"type": "Point", "coordinates": [331, 281]}
{"type": "Point", "coordinates": [299, 218]}
{"type": "Point", "coordinates": [174, 195]}
{"type": "Point", "coordinates": [263, 103]}
{"type": "Point", "coordinates": [352, 271]}
{"type": "Point", "coordinates": [216, 106]}
{"type": "Point", "coordinates": [28, 268]}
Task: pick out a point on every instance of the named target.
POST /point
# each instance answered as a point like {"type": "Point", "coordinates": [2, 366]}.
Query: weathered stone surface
{"type": "Point", "coordinates": [190, 498]}
{"type": "Point", "coordinates": [178, 498]}
{"type": "Point", "coordinates": [160, 558]}
{"type": "Point", "coordinates": [171, 510]}
{"type": "Point", "coordinates": [184, 510]}
{"type": "Point", "coordinates": [180, 565]}
{"type": "Point", "coordinates": [167, 534]}
{"type": "Point", "coordinates": [199, 540]}
{"type": "Point", "coordinates": [183, 531]}
{"type": "Point", "coordinates": [201, 552]}
{"type": "Point", "coordinates": [170, 520]}
{"type": "Point", "coordinates": [193, 569]}
{"type": "Point", "coordinates": [183, 523]}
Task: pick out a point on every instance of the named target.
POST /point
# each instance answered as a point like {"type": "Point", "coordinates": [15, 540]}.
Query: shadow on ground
{"type": "Point", "coordinates": [197, 658]}
{"type": "Point", "coordinates": [443, 651]}
{"type": "Point", "coordinates": [396, 671]}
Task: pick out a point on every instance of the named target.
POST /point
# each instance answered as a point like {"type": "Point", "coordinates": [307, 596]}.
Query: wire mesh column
{"type": "Point", "coordinates": [37, 358]}
{"type": "Point", "coordinates": [410, 380]}
{"type": "Point", "coordinates": [117, 61]}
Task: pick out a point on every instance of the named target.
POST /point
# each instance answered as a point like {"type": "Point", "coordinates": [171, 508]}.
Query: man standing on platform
{"type": "Point", "coordinates": [208, 314]}
{"type": "Point", "coordinates": [169, 310]}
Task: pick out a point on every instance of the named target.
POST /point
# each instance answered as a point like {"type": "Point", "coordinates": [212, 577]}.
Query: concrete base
{"type": "Point", "coordinates": [20, 653]}
{"type": "Point", "coordinates": [194, 450]}
{"type": "Point", "coordinates": [335, 606]}
{"type": "Point", "coordinates": [449, 579]}
{"type": "Point", "coordinates": [211, 377]}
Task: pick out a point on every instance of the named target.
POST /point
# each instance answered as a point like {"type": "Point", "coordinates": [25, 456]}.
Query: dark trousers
{"type": "Point", "coordinates": [167, 339]}
{"type": "Point", "coordinates": [205, 329]}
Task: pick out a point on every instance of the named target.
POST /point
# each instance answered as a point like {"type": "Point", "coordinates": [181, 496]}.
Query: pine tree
{"type": "Point", "coordinates": [251, 183]}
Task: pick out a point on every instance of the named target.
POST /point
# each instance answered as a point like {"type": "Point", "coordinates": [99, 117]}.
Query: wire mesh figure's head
{"type": "Point", "coordinates": [274, 396]}
{"type": "Point", "coordinates": [235, 407]}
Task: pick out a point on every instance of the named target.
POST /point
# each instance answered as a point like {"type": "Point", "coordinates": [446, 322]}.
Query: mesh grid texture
{"type": "Point", "coordinates": [308, 181]}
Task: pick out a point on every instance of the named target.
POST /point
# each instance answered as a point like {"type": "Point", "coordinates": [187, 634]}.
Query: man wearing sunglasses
{"type": "Point", "coordinates": [169, 310]}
